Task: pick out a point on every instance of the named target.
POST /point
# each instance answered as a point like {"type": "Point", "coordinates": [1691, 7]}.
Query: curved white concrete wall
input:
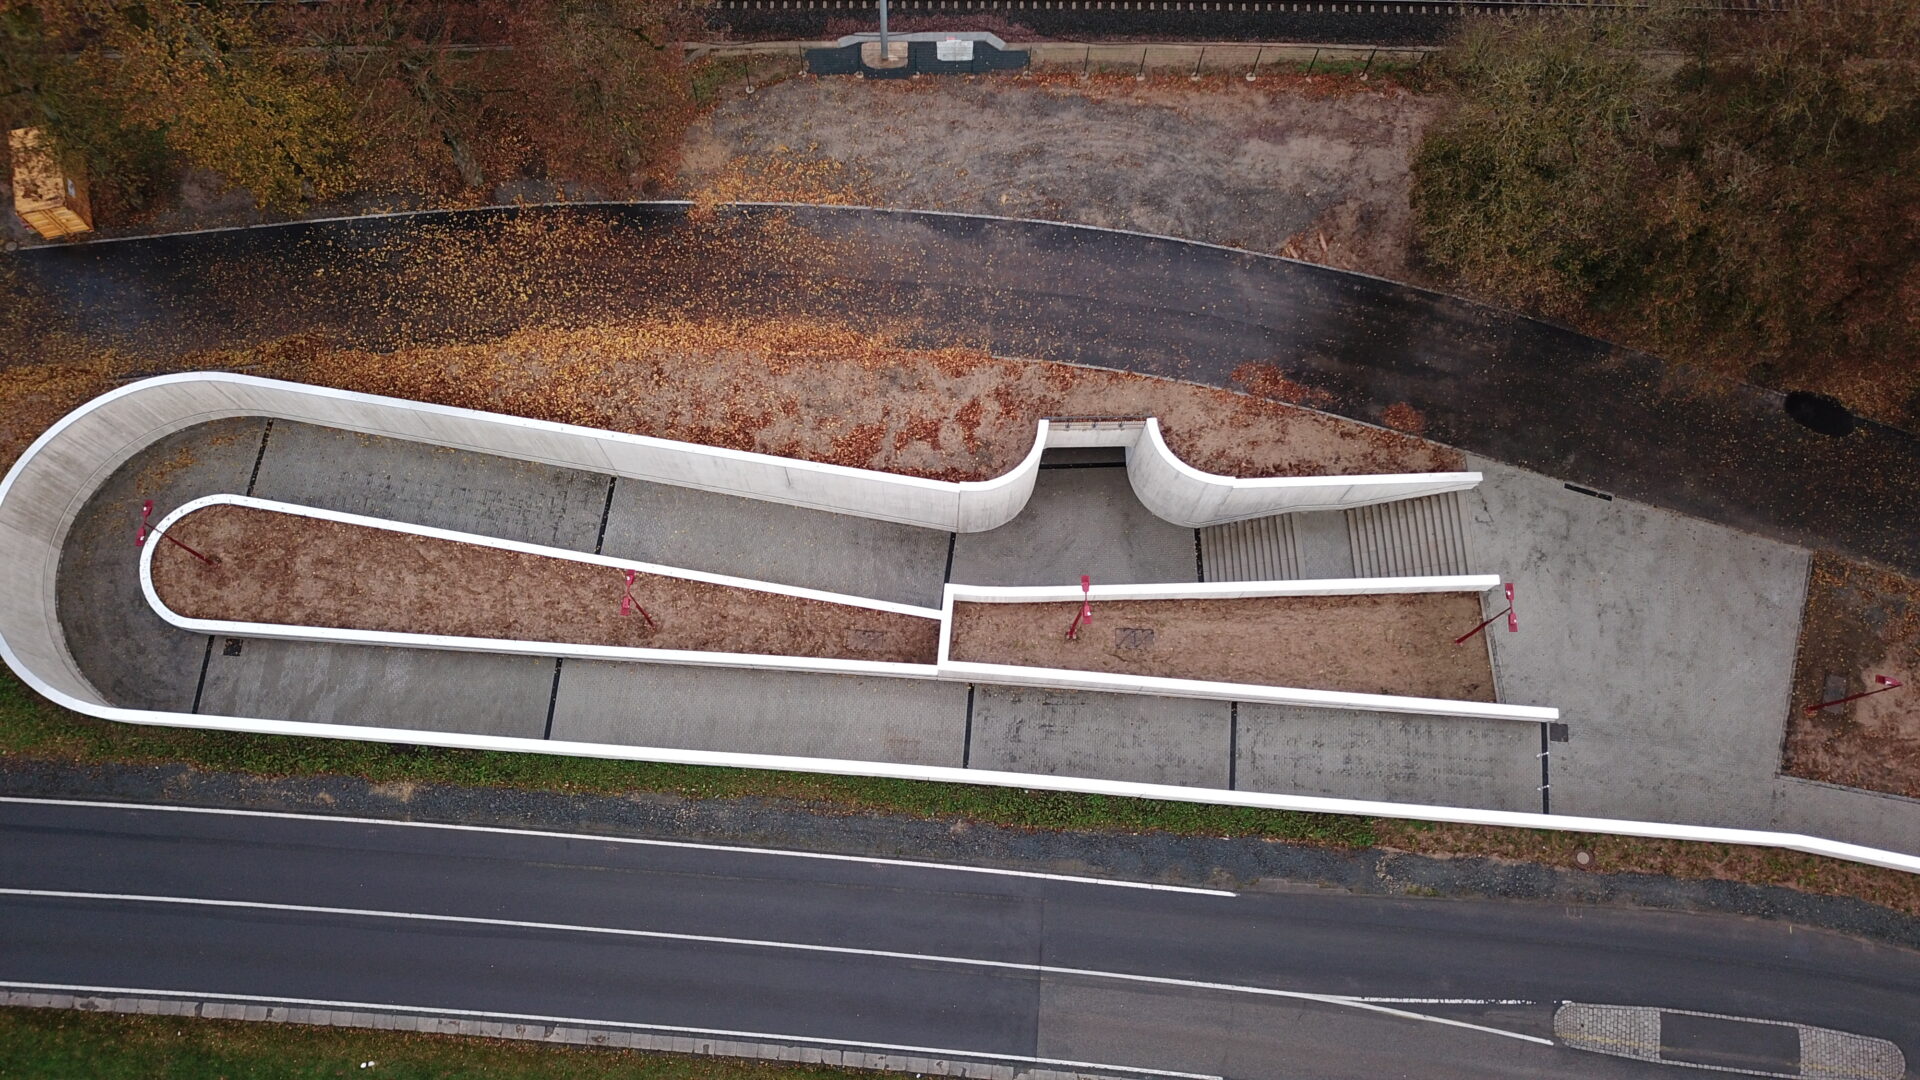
{"type": "Point", "coordinates": [943, 667]}
{"type": "Point", "coordinates": [296, 632]}
{"type": "Point", "coordinates": [45, 489]}
{"type": "Point", "coordinates": [1184, 495]}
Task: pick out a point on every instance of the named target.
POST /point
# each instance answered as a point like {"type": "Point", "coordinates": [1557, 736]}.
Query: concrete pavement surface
{"type": "Point", "coordinates": [979, 964]}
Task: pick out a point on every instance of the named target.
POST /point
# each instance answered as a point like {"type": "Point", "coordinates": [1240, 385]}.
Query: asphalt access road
{"type": "Point", "coordinates": [1497, 384]}
{"type": "Point", "coordinates": [855, 953]}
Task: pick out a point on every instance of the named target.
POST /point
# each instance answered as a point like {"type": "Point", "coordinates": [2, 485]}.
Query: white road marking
{"type": "Point", "coordinates": [574, 1021]}
{"type": "Point", "coordinates": [792, 946]}
{"type": "Point", "coordinates": [637, 841]}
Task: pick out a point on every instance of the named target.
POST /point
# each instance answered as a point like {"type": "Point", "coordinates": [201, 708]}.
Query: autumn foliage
{"type": "Point", "coordinates": [298, 102]}
{"type": "Point", "coordinates": [1739, 192]}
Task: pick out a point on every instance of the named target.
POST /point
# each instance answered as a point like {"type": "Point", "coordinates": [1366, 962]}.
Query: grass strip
{"type": "Point", "coordinates": [110, 1046]}
{"type": "Point", "coordinates": [33, 728]}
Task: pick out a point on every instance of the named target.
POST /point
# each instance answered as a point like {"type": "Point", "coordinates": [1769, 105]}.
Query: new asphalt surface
{"type": "Point", "coordinates": [1509, 388]}
{"type": "Point", "coordinates": [853, 952]}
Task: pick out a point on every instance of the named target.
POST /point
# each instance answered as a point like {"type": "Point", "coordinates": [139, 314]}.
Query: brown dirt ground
{"type": "Point", "coordinates": [280, 568]}
{"type": "Point", "coordinates": [1316, 170]}
{"type": "Point", "coordinates": [1397, 644]}
{"type": "Point", "coordinates": [825, 393]}
{"type": "Point", "coordinates": [1859, 622]}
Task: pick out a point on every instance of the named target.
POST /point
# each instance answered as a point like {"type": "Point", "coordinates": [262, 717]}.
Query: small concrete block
{"type": "Point", "coordinates": [91, 1004]}
{"type": "Point", "coordinates": [680, 1044]}
{"type": "Point", "coordinates": [148, 1007]}
{"type": "Point", "coordinates": [832, 1057]}
{"type": "Point", "coordinates": [785, 1053]}
{"type": "Point", "coordinates": [919, 1065]}
{"type": "Point", "coordinates": [278, 1013]}
{"type": "Point", "coordinates": [254, 1012]}
{"type": "Point", "coordinates": [447, 1025]}
{"type": "Point", "coordinates": [493, 1029]}
{"type": "Point", "coordinates": [213, 1010]}
{"type": "Point", "coordinates": [528, 1031]}
{"type": "Point", "coordinates": [125, 1005]}
{"type": "Point", "coordinates": [703, 1046]}
{"type": "Point", "coordinates": [406, 1022]}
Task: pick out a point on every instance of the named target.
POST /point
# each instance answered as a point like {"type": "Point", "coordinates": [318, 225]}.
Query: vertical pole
{"type": "Point", "coordinates": [1315, 60]}
{"type": "Point", "coordinates": [883, 31]}
{"type": "Point", "coordinates": [1370, 57]}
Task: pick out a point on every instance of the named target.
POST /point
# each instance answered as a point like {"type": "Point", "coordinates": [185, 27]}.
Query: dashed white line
{"type": "Point", "coordinates": [574, 1021]}
{"type": "Point", "coordinates": [1337, 1000]}
{"type": "Point", "coordinates": [910, 864]}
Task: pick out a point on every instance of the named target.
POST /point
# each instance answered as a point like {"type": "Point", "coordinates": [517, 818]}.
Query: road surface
{"type": "Point", "coordinates": [1034, 970]}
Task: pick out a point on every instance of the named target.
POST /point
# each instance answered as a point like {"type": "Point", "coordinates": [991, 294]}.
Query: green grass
{"type": "Point", "coordinates": [47, 1043]}
{"type": "Point", "coordinates": [31, 727]}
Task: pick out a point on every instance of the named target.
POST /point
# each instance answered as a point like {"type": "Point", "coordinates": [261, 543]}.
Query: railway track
{"type": "Point", "coordinates": [1377, 22]}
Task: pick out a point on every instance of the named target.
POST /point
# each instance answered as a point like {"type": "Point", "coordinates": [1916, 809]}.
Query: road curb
{"type": "Point", "coordinates": [427, 1023]}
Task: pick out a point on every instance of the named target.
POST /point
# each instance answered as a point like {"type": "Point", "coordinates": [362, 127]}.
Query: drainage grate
{"type": "Point", "coordinates": [232, 647]}
{"type": "Point", "coordinates": [1133, 637]}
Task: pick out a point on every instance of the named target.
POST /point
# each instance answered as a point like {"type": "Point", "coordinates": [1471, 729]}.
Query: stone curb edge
{"type": "Point", "coordinates": [426, 1023]}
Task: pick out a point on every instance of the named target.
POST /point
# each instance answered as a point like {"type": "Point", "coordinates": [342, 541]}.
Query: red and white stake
{"type": "Point", "coordinates": [1886, 683]}
{"type": "Point", "coordinates": [1513, 621]}
{"type": "Point", "coordinates": [146, 511]}
{"type": "Point", "coordinates": [1084, 617]}
{"type": "Point", "coordinates": [628, 605]}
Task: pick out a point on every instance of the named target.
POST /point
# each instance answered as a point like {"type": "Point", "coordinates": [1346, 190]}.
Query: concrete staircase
{"type": "Point", "coordinates": [1399, 539]}
{"type": "Point", "coordinates": [1409, 538]}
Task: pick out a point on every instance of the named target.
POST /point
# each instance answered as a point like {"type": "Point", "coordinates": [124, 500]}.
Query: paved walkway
{"type": "Point", "coordinates": [1083, 517]}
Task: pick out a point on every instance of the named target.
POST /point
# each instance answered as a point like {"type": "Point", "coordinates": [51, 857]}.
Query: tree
{"type": "Point", "coordinates": [1740, 191]}
{"type": "Point", "coordinates": [602, 85]}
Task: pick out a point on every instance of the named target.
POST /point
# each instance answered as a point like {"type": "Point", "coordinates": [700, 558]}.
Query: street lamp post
{"type": "Point", "coordinates": [883, 30]}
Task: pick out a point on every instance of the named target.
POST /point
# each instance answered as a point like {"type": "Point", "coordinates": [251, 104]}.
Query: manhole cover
{"type": "Point", "coordinates": [1820, 413]}
{"type": "Point", "coordinates": [1133, 637]}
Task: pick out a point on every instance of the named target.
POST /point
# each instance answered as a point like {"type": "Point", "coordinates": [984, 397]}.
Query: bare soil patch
{"type": "Point", "coordinates": [1397, 644]}
{"type": "Point", "coordinates": [1316, 170]}
{"type": "Point", "coordinates": [282, 568]}
{"type": "Point", "coordinates": [825, 393]}
{"type": "Point", "coordinates": [1859, 622]}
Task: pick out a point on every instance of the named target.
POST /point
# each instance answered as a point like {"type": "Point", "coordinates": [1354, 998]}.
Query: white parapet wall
{"type": "Point", "coordinates": [944, 667]}
{"type": "Point", "coordinates": [1066, 678]}
{"type": "Point", "coordinates": [46, 488]}
{"type": "Point", "coordinates": [694, 658]}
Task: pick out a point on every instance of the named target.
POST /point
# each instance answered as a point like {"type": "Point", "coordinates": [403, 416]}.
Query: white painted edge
{"type": "Point", "coordinates": [1311, 804]}
{"type": "Point", "coordinates": [565, 554]}
{"type": "Point", "coordinates": [1068, 678]}
{"type": "Point", "coordinates": [611, 838]}
{"type": "Point", "coordinates": [1442, 481]}
{"type": "Point", "coordinates": [1223, 590]}
{"type": "Point", "coordinates": [455, 643]}
{"type": "Point", "coordinates": [944, 667]}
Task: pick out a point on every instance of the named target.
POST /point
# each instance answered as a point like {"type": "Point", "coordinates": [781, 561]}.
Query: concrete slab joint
{"type": "Point", "coordinates": [49, 485]}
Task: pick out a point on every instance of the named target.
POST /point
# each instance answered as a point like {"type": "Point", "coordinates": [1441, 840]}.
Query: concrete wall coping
{"type": "Point", "coordinates": [943, 668]}
{"type": "Point", "coordinates": [45, 489]}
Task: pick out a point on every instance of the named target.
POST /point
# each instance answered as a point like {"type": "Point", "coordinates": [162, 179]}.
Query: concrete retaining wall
{"type": "Point", "coordinates": [1065, 678]}
{"type": "Point", "coordinates": [1184, 495]}
{"type": "Point", "coordinates": [695, 658]}
{"type": "Point", "coordinates": [944, 668]}
{"type": "Point", "coordinates": [46, 488]}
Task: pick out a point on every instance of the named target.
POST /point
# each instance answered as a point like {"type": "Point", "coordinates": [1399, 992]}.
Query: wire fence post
{"type": "Point", "coordinates": [1254, 71]}
{"type": "Point", "coordinates": [1315, 60]}
{"type": "Point", "coordinates": [1369, 67]}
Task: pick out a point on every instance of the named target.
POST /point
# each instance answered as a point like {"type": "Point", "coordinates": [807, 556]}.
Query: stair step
{"type": "Point", "coordinates": [1409, 538]}
{"type": "Point", "coordinates": [1261, 549]}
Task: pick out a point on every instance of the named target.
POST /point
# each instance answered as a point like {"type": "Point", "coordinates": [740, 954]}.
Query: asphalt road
{"type": "Point", "coordinates": [1023, 969]}
{"type": "Point", "coordinates": [1488, 381]}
